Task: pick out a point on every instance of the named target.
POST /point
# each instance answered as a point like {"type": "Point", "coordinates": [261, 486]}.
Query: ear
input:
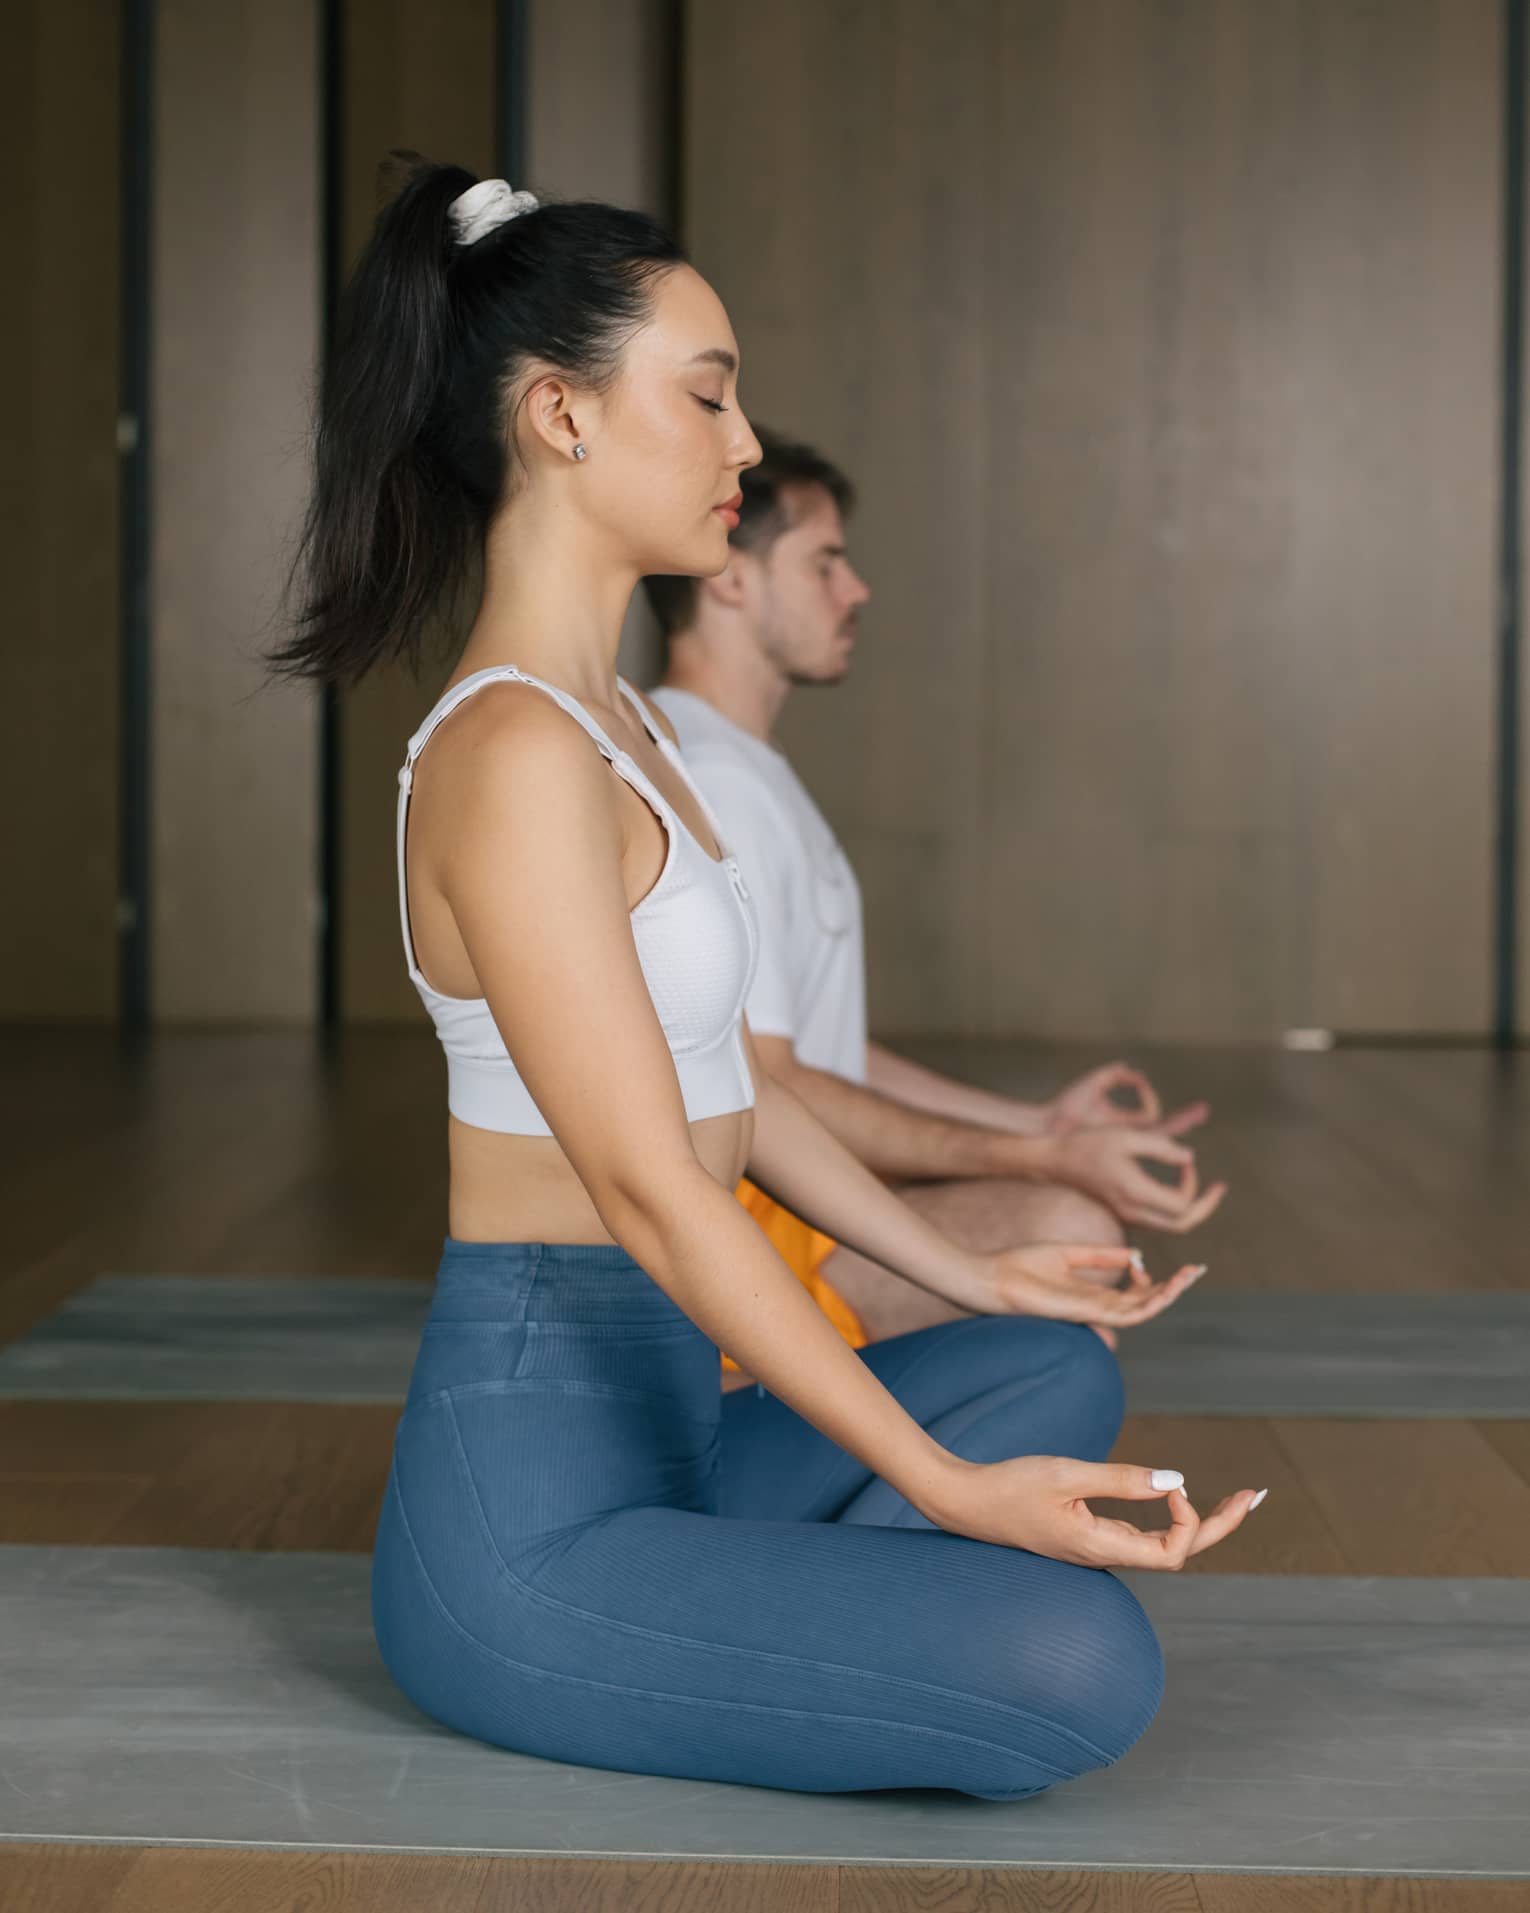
{"type": "Point", "coordinates": [557, 413]}
{"type": "Point", "coordinates": [728, 587]}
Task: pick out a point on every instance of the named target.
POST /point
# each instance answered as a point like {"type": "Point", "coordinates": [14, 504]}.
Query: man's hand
{"type": "Point", "coordinates": [1089, 1104]}
{"type": "Point", "coordinates": [1108, 1165]}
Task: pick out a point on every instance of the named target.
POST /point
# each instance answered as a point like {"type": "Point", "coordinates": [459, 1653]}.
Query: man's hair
{"type": "Point", "coordinates": [762, 518]}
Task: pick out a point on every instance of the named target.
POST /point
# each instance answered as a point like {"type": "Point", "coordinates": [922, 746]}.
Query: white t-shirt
{"type": "Point", "coordinates": [810, 983]}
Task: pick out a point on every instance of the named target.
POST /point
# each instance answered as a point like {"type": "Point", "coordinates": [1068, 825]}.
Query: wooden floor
{"type": "Point", "coordinates": [1379, 1170]}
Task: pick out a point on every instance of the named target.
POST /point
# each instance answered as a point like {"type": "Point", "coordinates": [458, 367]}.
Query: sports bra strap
{"type": "Point", "coordinates": [622, 762]}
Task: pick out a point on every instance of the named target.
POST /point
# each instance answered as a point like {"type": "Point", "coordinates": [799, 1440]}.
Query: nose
{"type": "Point", "coordinates": [747, 448]}
{"type": "Point", "coordinates": [861, 591]}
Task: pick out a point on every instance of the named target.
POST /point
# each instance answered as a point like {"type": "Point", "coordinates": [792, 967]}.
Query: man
{"type": "Point", "coordinates": [988, 1170]}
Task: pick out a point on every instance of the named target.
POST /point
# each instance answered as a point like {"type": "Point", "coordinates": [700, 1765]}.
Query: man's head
{"type": "Point", "coordinates": [789, 589]}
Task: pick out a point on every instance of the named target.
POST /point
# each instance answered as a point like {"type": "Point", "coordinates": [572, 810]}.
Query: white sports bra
{"type": "Point", "coordinates": [696, 934]}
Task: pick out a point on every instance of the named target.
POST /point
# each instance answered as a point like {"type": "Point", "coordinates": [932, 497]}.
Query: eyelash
{"type": "Point", "coordinates": [715, 405]}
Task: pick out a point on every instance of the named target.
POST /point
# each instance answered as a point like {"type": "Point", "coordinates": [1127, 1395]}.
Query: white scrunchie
{"type": "Point", "coordinates": [487, 205]}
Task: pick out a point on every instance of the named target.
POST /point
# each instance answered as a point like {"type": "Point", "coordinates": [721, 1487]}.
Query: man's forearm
{"type": "Point", "coordinates": [921, 1088]}
{"type": "Point", "coordinates": [893, 1139]}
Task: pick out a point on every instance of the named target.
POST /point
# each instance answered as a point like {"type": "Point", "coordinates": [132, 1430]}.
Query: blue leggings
{"type": "Point", "coordinates": [589, 1553]}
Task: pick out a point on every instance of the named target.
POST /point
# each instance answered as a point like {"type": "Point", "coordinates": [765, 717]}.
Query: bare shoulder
{"type": "Point", "coordinates": [513, 731]}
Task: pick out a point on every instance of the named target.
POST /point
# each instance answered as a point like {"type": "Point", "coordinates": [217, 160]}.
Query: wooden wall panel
{"type": "Point", "coordinates": [418, 74]}
{"type": "Point", "coordinates": [840, 196]}
{"type": "Point", "coordinates": [1163, 339]}
{"type": "Point", "coordinates": [59, 384]}
{"type": "Point", "coordinates": [1521, 966]}
{"type": "Point", "coordinates": [235, 313]}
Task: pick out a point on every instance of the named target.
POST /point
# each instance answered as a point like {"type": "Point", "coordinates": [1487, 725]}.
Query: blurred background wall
{"type": "Point", "coordinates": [1166, 344]}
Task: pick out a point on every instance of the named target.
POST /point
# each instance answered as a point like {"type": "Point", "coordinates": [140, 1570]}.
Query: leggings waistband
{"type": "Point", "coordinates": [567, 1281]}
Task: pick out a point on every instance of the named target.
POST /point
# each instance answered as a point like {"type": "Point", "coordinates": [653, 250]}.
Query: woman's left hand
{"type": "Point", "coordinates": [1074, 1282]}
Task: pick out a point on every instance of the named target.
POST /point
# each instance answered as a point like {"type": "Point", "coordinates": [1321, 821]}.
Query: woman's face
{"type": "Point", "coordinates": [670, 439]}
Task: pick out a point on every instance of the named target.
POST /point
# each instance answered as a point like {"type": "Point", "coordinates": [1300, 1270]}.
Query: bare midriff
{"type": "Point", "coordinates": [523, 1188]}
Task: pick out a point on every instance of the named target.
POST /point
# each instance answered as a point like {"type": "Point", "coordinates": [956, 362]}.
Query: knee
{"type": "Point", "coordinates": [1116, 1681]}
{"type": "Point", "coordinates": [1071, 1216]}
{"type": "Point", "coordinates": [1094, 1386]}
{"type": "Point", "coordinates": [1087, 1681]}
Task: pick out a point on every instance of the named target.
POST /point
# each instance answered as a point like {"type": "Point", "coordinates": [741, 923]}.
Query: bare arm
{"type": "Point", "coordinates": [922, 1088]}
{"type": "Point", "coordinates": [894, 1139]}
{"type": "Point", "coordinates": [1093, 1099]}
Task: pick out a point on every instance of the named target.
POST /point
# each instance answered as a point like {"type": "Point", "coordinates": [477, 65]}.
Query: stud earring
{"type": "Point", "coordinates": [580, 451]}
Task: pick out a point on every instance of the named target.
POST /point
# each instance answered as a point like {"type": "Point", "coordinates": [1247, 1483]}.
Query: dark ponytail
{"type": "Point", "coordinates": [412, 442]}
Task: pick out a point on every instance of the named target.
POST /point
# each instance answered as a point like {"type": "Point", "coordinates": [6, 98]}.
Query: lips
{"type": "Point", "coordinates": [730, 504]}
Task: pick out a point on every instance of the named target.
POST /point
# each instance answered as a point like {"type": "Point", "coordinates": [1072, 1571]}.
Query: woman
{"type": "Point", "coordinates": [882, 1572]}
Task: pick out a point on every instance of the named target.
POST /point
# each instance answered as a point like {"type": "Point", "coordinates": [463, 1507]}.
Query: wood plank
{"type": "Point", "coordinates": [208, 1474]}
{"type": "Point", "coordinates": [1287, 1534]}
{"type": "Point", "coordinates": [38, 1877]}
{"type": "Point", "coordinates": [1414, 1497]}
{"type": "Point", "coordinates": [1511, 1439]}
{"type": "Point", "coordinates": [1271, 1893]}
{"type": "Point", "coordinates": [1022, 1889]}
{"type": "Point", "coordinates": [50, 1877]}
{"type": "Point", "coordinates": [1349, 1497]}
{"type": "Point", "coordinates": [63, 1877]}
{"type": "Point", "coordinates": [60, 1509]}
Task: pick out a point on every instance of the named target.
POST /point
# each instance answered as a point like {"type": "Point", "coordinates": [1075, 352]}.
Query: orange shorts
{"type": "Point", "coordinates": [803, 1248]}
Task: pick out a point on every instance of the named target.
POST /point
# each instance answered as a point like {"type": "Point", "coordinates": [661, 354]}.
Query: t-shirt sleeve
{"type": "Point", "coordinates": [763, 841]}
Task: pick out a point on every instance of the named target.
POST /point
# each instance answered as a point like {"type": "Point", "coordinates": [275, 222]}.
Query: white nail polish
{"type": "Point", "coordinates": [1168, 1478]}
{"type": "Point", "coordinates": [1257, 1499]}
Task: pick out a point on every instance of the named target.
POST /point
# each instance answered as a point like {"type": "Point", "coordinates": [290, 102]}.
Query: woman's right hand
{"type": "Point", "coordinates": [1041, 1503]}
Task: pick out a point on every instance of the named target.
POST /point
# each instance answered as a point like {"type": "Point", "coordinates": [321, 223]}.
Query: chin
{"type": "Point", "coordinates": [830, 671]}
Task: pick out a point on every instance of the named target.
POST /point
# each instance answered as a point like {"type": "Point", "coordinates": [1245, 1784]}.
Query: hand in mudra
{"type": "Point", "coordinates": [1074, 1282]}
{"type": "Point", "coordinates": [1090, 1103]}
{"type": "Point", "coordinates": [1041, 1503]}
{"type": "Point", "coordinates": [1110, 1165]}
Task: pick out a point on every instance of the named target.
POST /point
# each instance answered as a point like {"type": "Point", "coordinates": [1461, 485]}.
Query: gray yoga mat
{"type": "Point", "coordinates": [1310, 1725]}
{"type": "Point", "coordinates": [342, 1340]}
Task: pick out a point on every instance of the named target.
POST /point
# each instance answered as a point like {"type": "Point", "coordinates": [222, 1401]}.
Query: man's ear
{"type": "Point", "coordinates": [728, 586]}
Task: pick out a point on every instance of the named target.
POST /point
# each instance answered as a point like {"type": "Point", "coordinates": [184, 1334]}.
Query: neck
{"type": "Point", "coordinates": [554, 600]}
{"type": "Point", "coordinates": [734, 678]}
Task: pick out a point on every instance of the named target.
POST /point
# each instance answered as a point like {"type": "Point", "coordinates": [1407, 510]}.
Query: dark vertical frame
{"type": "Point", "coordinates": [332, 243]}
{"type": "Point", "coordinates": [511, 25]}
{"type": "Point", "coordinates": [1506, 929]}
{"type": "Point", "coordinates": [674, 119]}
{"type": "Point", "coordinates": [135, 424]}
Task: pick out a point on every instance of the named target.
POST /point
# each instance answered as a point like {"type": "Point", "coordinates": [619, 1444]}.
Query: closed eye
{"type": "Point", "coordinates": [714, 405]}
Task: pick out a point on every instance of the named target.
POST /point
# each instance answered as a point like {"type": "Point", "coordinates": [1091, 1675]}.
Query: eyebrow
{"type": "Point", "coordinates": [717, 355]}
